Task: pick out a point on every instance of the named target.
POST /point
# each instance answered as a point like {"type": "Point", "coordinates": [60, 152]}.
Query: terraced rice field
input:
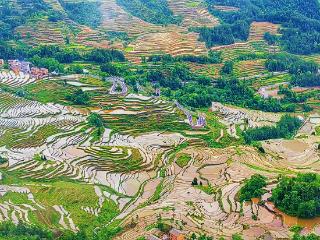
{"type": "Point", "coordinates": [258, 29]}
{"type": "Point", "coordinates": [219, 213]}
{"type": "Point", "coordinates": [212, 70]}
{"type": "Point", "coordinates": [48, 142]}
{"type": "Point", "coordinates": [150, 39]}
{"type": "Point", "coordinates": [44, 32]}
{"type": "Point", "coordinates": [173, 42]}
{"type": "Point", "coordinates": [141, 114]}
{"type": "Point", "coordinates": [194, 13]}
{"type": "Point", "coordinates": [92, 38]}
{"type": "Point", "coordinates": [250, 68]}
{"type": "Point", "coordinates": [226, 8]}
{"type": "Point", "coordinates": [315, 58]}
{"type": "Point", "coordinates": [146, 38]}
{"type": "Point", "coordinates": [114, 18]}
{"type": "Point", "coordinates": [271, 80]}
{"type": "Point", "coordinates": [61, 174]}
{"type": "Point", "coordinates": [233, 51]}
{"type": "Point", "coordinates": [11, 79]}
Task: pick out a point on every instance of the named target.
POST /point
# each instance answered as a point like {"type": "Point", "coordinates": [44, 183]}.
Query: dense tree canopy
{"type": "Point", "coordinates": [155, 11]}
{"type": "Point", "coordinates": [298, 196]}
{"type": "Point", "coordinates": [212, 57]}
{"type": "Point", "coordinates": [79, 97]}
{"type": "Point", "coordinates": [306, 80]}
{"type": "Point", "coordinates": [84, 12]}
{"type": "Point", "coordinates": [12, 16]}
{"type": "Point", "coordinates": [53, 57]}
{"type": "Point", "coordinates": [285, 128]}
{"type": "Point", "coordinates": [301, 20]}
{"type": "Point", "coordinates": [224, 34]}
{"type": "Point", "coordinates": [95, 120]}
{"type": "Point", "coordinates": [253, 188]}
{"type": "Point", "coordinates": [292, 64]}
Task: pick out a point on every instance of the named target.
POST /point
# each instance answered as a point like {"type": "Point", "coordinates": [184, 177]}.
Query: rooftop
{"type": "Point", "coordinates": [152, 237]}
{"type": "Point", "coordinates": [175, 232]}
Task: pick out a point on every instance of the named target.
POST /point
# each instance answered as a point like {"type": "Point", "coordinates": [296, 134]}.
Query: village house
{"type": "Point", "coordinates": [14, 66]}
{"type": "Point", "coordinates": [175, 234]}
{"type": "Point", "coordinates": [315, 118]}
{"type": "Point", "coordinates": [158, 92]}
{"type": "Point", "coordinates": [152, 237]}
{"type": "Point", "coordinates": [25, 67]}
{"type": "Point", "coordinates": [19, 66]}
{"type": "Point", "coordinates": [39, 73]}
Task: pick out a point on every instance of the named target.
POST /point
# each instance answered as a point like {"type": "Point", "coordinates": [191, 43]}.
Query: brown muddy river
{"type": "Point", "coordinates": [292, 221]}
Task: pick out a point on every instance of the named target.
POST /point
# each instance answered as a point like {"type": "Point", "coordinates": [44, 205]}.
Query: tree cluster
{"type": "Point", "coordinates": [305, 73]}
{"type": "Point", "coordinates": [171, 77]}
{"type": "Point", "coordinates": [224, 34]}
{"type": "Point", "coordinates": [211, 58]}
{"type": "Point", "coordinates": [253, 188]}
{"type": "Point", "coordinates": [292, 64]}
{"type": "Point", "coordinates": [306, 80]}
{"type": "Point", "coordinates": [95, 120]}
{"type": "Point", "coordinates": [86, 13]}
{"type": "Point", "coordinates": [12, 16]}
{"type": "Point", "coordinates": [300, 19]}
{"type": "Point", "coordinates": [53, 57]}
{"type": "Point", "coordinates": [298, 196]}
{"type": "Point", "coordinates": [79, 97]}
{"type": "Point", "coordinates": [285, 128]}
{"type": "Point", "coordinates": [156, 11]}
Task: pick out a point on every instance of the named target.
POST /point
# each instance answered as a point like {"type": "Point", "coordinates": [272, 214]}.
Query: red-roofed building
{"type": "Point", "coordinates": [19, 66]}
{"type": "Point", "coordinates": [39, 73]}
{"type": "Point", "coordinates": [175, 234]}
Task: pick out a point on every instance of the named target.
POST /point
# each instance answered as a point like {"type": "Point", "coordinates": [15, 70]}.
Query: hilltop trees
{"type": "Point", "coordinates": [212, 57]}
{"type": "Point", "coordinates": [156, 11]}
{"type": "Point", "coordinates": [306, 80]}
{"type": "Point", "coordinates": [79, 97]}
{"type": "Point", "coordinates": [50, 63]}
{"type": "Point", "coordinates": [290, 63]}
{"type": "Point", "coordinates": [53, 56]}
{"type": "Point", "coordinates": [298, 196]}
{"type": "Point", "coordinates": [172, 77]}
{"type": "Point", "coordinates": [12, 17]}
{"type": "Point", "coordinates": [285, 128]}
{"type": "Point", "coordinates": [224, 34]}
{"type": "Point", "coordinates": [300, 19]}
{"type": "Point", "coordinates": [110, 69]}
{"type": "Point", "coordinates": [305, 73]}
{"type": "Point", "coordinates": [86, 13]}
{"type": "Point", "coordinates": [270, 38]}
{"type": "Point", "coordinates": [253, 188]}
{"type": "Point", "coordinates": [95, 120]}
{"type": "Point", "coordinates": [227, 67]}
{"type": "Point", "coordinates": [104, 55]}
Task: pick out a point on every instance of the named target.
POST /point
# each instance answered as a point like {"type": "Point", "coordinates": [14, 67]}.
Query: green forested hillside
{"type": "Point", "coordinates": [15, 13]}
{"type": "Point", "coordinates": [154, 11]}
{"type": "Point", "coordinates": [86, 13]}
{"type": "Point", "coordinates": [300, 19]}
